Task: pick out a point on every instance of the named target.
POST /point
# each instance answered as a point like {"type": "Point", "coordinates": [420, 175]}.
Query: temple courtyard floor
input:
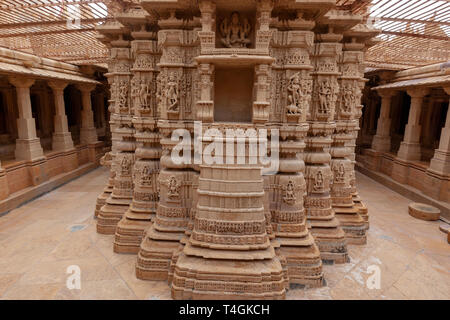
{"type": "Point", "coordinates": [41, 239]}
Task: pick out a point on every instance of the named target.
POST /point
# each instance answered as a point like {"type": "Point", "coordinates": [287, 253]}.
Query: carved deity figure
{"type": "Point", "coordinates": [171, 93]}
{"type": "Point", "coordinates": [339, 173]}
{"type": "Point", "coordinates": [135, 92]}
{"type": "Point", "coordinates": [289, 193]}
{"type": "Point", "coordinates": [295, 95]}
{"type": "Point", "coordinates": [318, 181]}
{"type": "Point", "coordinates": [325, 97]}
{"type": "Point", "coordinates": [235, 31]}
{"type": "Point", "coordinates": [123, 95]}
{"type": "Point", "coordinates": [348, 97]}
{"type": "Point", "coordinates": [146, 177]}
{"type": "Point", "coordinates": [125, 166]}
{"type": "Point", "coordinates": [143, 94]}
{"type": "Point", "coordinates": [173, 188]}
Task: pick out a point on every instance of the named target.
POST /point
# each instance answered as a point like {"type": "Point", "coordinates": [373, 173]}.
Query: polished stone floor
{"type": "Point", "coordinates": [42, 238]}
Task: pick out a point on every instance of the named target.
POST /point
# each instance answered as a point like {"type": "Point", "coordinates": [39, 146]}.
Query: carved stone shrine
{"type": "Point", "coordinates": [187, 78]}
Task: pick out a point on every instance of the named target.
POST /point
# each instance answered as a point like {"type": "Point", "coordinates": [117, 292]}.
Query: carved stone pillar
{"type": "Point", "coordinates": [107, 159]}
{"type": "Point", "coordinates": [119, 200]}
{"type": "Point", "coordinates": [62, 138]}
{"type": "Point", "coordinates": [88, 132]}
{"type": "Point", "coordinates": [410, 146]}
{"type": "Point", "coordinates": [161, 244]}
{"type": "Point", "coordinates": [28, 145]}
{"type": "Point", "coordinates": [296, 244]}
{"type": "Point", "coordinates": [138, 218]}
{"type": "Point", "coordinates": [318, 203]}
{"type": "Point", "coordinates": [440, 163]}
{"type": "Point", "coordinates": [341, 164]}
{"type": "Point", "coordinates": [382, 140]}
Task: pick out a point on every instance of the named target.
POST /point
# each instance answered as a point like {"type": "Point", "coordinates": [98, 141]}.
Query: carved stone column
{"type": "Point", "coordinates": [142, 210]}
{"type": "Point", "coordinates": [161, 244]}
{"type": "Point", "coordinates": [62, 138]}
{"type": "Point", "coordinates": [318, 203]}
{"type": "Point", "coordinates": [296, 244]}
{"type": "Point", "coordinates": [341, 164]}
{"type": "Point", "coordinates": [28, 145]}
{"type": "Point", "coordinates": [119, 200]}
{"type": "Point", "coordinates": [440, 163]}
{"type": "Point", "coordinates": [382, 140]}
{"type": "Point", "coordinates": [410, 146]}
{"type": "Point", "coordinates": [107, 159]}
{"type": "Point", "coordinates": [88, 132]}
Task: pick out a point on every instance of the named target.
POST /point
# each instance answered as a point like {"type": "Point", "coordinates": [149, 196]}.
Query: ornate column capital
{"type": "Point", "coordinates": [85, 87]}
{"type": "Point", "coordinates": [57, 85]}
{"type": "Point", "coordinates": [447, 90]}
{"type": "Point", "coordinates": [21, 82]}
{"type": "Point", "coordinates": [418, 92]}
{"type": "Point", "coordinates": [386, 93]}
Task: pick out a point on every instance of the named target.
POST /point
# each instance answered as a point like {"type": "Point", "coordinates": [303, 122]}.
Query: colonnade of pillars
{"type": "Point", "coordinates": [28, 146]}
{"type": "Point", "coordinates": [410, 146]}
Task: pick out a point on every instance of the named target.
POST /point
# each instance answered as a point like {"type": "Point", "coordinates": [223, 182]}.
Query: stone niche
{"type": "Point", "coordinates": [233, 94]}
{"type": "Point", "coordinates": [235, 29]}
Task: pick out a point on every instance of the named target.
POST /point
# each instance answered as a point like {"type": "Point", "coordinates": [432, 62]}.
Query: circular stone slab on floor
{"type": "Point", "coordinates": [444, 227]}
{"type": "Point", "coordinates": [423, 211]}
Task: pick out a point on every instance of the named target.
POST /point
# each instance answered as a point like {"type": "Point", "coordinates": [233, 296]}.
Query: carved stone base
{"type": "Point", "coordinates": [101, 200]}
{"type": "Point", "coordinates": [227, 279]}
{"type": "Point", "coordinates": [29, 149]}
{"type": "Point", "coordinates": [304, 264]}
{"type": "Point", "coordinates": [130, 231]}
{"type": "Point", "coordinates": [362, 210]}
{"type": "Point", "coordinates": [110, 215]}
{"type": "Point", "coordinates": [330, 238]}
{"type": "Point", "coordinates": [353, 225]}
{"type": "Point", "coordinates": [154, 259]}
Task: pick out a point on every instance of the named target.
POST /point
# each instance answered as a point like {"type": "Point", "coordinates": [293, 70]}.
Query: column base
{"type": "Point", "coordinates": [88, 135]}
{"type": "Point", "coordinates": [4, 189]}
{"type": "Point", "coordinates": [440, 163]}
{"type": "Point", "coordinates": [409, 151]}
{"type": "Point", "coordinates": [220, 279]}
{"type": "Point", "coordinates": [330, 238]}
{"type": "Point", "coordinates": [29, 149]}
{"type": "Point", "coordinates": [381, 143]}
{"type": "Point", "coordinates": [131, 229]}
{"type": "Point", "coordinates": [62, 141]}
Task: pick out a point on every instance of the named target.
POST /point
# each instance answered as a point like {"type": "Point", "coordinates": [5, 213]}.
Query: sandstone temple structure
{"type": "Point", "coordinates": [53, 124]}
{"type": "Point", "coordinates": [405, 138]}
{"type": "Point", "coordinates": [228, 230]}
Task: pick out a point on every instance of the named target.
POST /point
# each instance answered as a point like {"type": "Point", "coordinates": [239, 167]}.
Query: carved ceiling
{"type": "Point", "coordinates": [413, 32]}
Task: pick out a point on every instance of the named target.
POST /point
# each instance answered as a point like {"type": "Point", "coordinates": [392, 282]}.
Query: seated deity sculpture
{"type": "Point", "coordinates": [235, 31]}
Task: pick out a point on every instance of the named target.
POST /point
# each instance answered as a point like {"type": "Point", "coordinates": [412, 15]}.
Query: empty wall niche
{"type": "Point", "coordinates": [233, 94]}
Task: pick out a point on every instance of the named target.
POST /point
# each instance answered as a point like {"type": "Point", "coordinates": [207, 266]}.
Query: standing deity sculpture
{"type": "Point", "coordinates": [295, 95]}
{"type": "Point", "coordinates": [144, 94]}
{"type": "Point", "coordinates": [349, 99]}
{"type": "Point", "coordinates": [135, 92]}
{"type": "Point", "coordinates": [123, 95]}
{"type": "Point", "coordinates": [171, 93]}
{"type": "Point", "coordinates": [325, 97]}
{"type": "Point", "coordinates": [235, 31]}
